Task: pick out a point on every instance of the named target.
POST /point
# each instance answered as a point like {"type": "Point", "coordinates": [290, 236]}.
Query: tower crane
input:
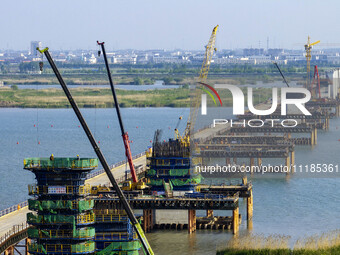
{"type": "Point", "coordinates": [209, 51]}
{"type": "Point", "coordinates": [308, 48]}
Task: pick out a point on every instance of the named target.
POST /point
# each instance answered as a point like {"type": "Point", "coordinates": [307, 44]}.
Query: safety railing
{"type": "Point", "coordinates": [115, 236]}
{"type": "Point", "coordinates": [111, 218]}
{"type": "Point", "coordinates": [62, 248]}
{"type": "Point", "coordinates": [80, 205]}
{"type": "Point", "coordinates": [60, 163]}
{"type": "Point", "coordinates": [10, 237]}
{"type": "Point", "coordinates": [33, 218]}
{"type": "Point", "coordinates": [86, 218]}
{"type": "Point", "coordinates": [89, 176]}
{"type": "Point", "coordinates": [120, 163]}
{"type": "Point", "coordinates": [34, 189]}
{"type": "Point", "coordinates": [61, 233]}
{"type": "Point", "coordinates": [13, 208]}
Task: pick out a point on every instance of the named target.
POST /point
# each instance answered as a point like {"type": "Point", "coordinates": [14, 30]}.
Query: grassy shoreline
{"type": "Point", "coordinates": [324, 244]}
{"type": "Point", "coordinates": [102, 98]}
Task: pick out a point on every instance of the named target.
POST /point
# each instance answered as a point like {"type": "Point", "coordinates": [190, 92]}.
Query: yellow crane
{"type": "Point", "coordinates": [308, 48]}
{"type": "Point", "coordinates": [194, 103]}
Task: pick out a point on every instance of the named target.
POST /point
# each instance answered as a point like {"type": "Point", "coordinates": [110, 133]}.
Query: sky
{"type": "Point", "coordinates": [160, 24]}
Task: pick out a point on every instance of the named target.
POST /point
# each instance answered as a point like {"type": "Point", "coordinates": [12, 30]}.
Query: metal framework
{"type": "Point", "coordinates": [122, 199]}
{"type": "Point", "coordinates": [209, 51]}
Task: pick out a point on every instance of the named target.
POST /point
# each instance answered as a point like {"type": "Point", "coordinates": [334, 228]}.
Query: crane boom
{"type": "Point", "coordinates": [308, 48]}
{"type": "Point", "coordinates": [209, 51]}
{"type": "Point", "coordinates": [100, 155]}
{"type": "Point", "coordinates": [124, 134]}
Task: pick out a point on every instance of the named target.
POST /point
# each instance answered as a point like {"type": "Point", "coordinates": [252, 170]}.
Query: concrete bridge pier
{"type": "Point", "coordinates": [250, 206]}
{"type": "Point", "coordinates": [235, 221]}
{"type": "Point", "coordinates": [192, 221]}
{"type": "Point", "coordinates": [292, 158]}
{"type": "Point", "coordinates": [148, 220]}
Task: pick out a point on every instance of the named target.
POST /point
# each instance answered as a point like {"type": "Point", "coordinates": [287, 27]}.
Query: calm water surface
{"type": "Point", "coordinates": [294, 206]}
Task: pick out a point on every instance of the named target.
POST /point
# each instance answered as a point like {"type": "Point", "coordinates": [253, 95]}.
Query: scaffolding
{"type": "Point", "coordinates": [170, 167]}
{"type": "Point", "coordinates": [63, 218]}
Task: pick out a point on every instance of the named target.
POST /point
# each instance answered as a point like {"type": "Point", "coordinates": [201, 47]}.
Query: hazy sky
{"type": "Point", "coordinates": [160, 24]}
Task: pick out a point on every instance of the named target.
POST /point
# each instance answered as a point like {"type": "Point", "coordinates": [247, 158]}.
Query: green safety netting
{"type": "Point", "coordinates": [179, 172]}
{"type": "Point", "coordinates": [75, 248]}
{"type": "Point", "coordinates": [84, 247]}
{"type": "Point", "coordinates": [171, 186]}
{"type": "Point", "coordinates": [84, 205]}
{"type": "Point", "coordinates": [78, 233]}
{"type": "Point", "coordinates": [33, 233]}
{"type": "Point", "coordinates": [81, 205]}
{"type": "Point", "coordinates": [151, 172]}
{"type": "Point", "coordinates": [60, 163]}
{"type": "Point", "coordinates": [31, 218]}
{"type": "Point", "coordinates": [109, 252]}
{"type": "Point", "coordinates": [172, 172]}
{"type": "Point", "coordinates": [132, 246]}
{"type": "Point", "coordinates": [36, 248]}
{"type": "Point", "coordinates": [153, 182]}
{"type": "Point", "coordinates": [181, 182]}
{"type": "Point", "coordinates": [87, 232]}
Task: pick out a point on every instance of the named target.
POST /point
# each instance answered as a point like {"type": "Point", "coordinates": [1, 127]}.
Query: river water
{"type": "Point", "coordinates": [294, 206]}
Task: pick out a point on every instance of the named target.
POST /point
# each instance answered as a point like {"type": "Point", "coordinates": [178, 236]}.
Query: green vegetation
{"type": "Point", "coordinates": [325, 244]}
{"type": "Point", "coordinates": [102, 97]}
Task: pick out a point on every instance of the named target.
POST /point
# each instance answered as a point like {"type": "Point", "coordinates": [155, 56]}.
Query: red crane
{"type": "Point", "coordinates": [124, 134]}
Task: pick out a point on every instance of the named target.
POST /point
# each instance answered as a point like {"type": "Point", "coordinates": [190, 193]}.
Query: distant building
{"type": "Point", "coordinates": [275, 52]}
{"type": "Point", "coordinates": [253, 52]}
{"type": "Point", "coordinates": [34, 45]}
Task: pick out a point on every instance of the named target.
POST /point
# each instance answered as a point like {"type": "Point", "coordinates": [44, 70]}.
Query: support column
{"type": "Point", "coordinates": [147, 220]}
{"type": "Point", "coordinates": [235, 160]}
{"type": "Point", "coordinates": [27, 243]}
{"type": "Point", "coordinates": [235, 221]}
{"type": "Point", "coordinates": [191, 221]}
{"type": "Point", "coordinates": [292, 158]}
{"type": "Point", "coordinates": [315, 136]}
{"type": "Point", "coordinates": [288, 163]}
{"type": "Point", "coordinates": [289, 135]}
{"type": "Point", "coordinates": [210, 213]}
{"type": "Point", "coordinates": [244, 180]}
{"type": "Point", "coordinates": [227, 161]}
{"type": "Point", "coordinates": [10, 251]}
{"type": "Point", "coordinates": [312, 138]}
{"type": "Point", "coordinates": [259, 161]}
{"type": "Point", "coordinates": [250, 206]}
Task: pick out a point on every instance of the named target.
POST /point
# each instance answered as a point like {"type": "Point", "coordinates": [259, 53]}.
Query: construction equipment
{"type": "Point", "coordinates": [308, 48]}
{"type": "Point", "coordinates": [135, 184]}
{"type": "Point", "coordinates": [209, 51]}
{"type": "Point", "coordinates": [177, 134]}
{"type": "Point", "coordinates": [123, 201]}
{"type": "Point", "coordinates": [277, 66]}
{"type": "Point", "coordinates": [316, 78]}
{"type": "Point", "coordinates": [95, 190]}
{"type": "Point", "coordinates": [130, 186]}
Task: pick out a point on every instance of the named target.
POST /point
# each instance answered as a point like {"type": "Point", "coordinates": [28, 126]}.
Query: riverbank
{"type": "Point", "coordinates": [102, 97]}
{"type": "Point", "coordinates": [144, 78]}
{"type": "Point", "coordinates": [324, 244]}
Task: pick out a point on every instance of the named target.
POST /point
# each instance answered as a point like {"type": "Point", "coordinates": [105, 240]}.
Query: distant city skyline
{"type": "Point", "coordinates": [167, 25]}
